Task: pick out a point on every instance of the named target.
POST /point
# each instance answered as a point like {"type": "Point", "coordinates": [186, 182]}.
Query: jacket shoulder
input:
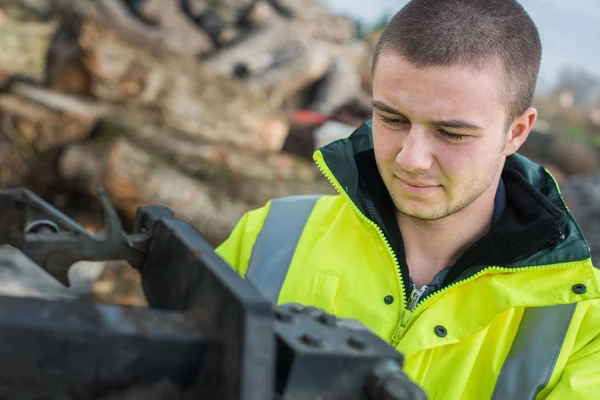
{"type": "Point", "coordinates": [236, 249]}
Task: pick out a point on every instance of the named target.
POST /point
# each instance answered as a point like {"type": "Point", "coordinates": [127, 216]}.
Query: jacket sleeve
{"type": "Point", "coordinates": [237, 248]}
{"type": "Point", "coordinates": [580, 378]}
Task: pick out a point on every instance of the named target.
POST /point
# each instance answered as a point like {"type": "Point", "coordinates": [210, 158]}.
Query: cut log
{"type": "Point", "coordinates": [184, 93]}
{"type": "Point", "coordinates": [199, 157]}
{"type": "Point", "coordinates": [259, 14]}
{"type": "Point", "coordinates": [283, 82]}
{"type": "Point", "coordinates": [263, 134]}
{"type": "Point", "coordinates": [132, 176]}
{"type": "Point", "coordinates": [38, 128]}
{"type": "Point", "coordinates": [24, 46]}
{"type": "Point", "coordinates": [115, 16]}
{"type": "Point", "coordinates": [275, 61]}
{"type": "Point", "coordinates": [341, 86]}
{"type": "Point", "coordinates": [179, 33]}
{"type": "Point", "coordinates": [278, 35]}
{"type": "Point", "coordinates": [30, 129]}
{"type": "Point", "coordinates": [228, 10]}
{"type": "Point", "coordinates": [314, 20]}
{"type": "Point", "coordinates": [61, 102]}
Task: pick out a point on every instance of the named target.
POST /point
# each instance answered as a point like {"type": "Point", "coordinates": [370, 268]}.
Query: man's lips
{"type": "Point", "coordinates": [416, 187]}
{"type": "Point", "coordinates": [414, 183]}
{"type": "Point", "coordinates": [417, 184]}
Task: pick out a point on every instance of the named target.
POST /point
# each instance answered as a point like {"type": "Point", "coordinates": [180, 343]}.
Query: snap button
{"type": "Point", "coordinates": [579, 288]}
{"type": "Point", "coordinates": [440, 331]}
{"type": "Point", "coordinates": [388, 299]}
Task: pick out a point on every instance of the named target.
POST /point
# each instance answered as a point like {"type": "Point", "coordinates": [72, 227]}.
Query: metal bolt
{"type": "Point", "coordinates": [356, 343]}
{"type": "Point", "coordinates": [296, 308]}
{"type": "Point", "coordinates": [310, 310]}
{"type": "Point", "coordinates": [326, 319]}
{"type": "Point", "coordinates": [311, 340]}
{"type": "Point", "coordinates": [283, 316]}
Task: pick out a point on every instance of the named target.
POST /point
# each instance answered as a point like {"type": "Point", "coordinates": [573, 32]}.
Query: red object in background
{"type": "Point", "coordinates": [309, 117]}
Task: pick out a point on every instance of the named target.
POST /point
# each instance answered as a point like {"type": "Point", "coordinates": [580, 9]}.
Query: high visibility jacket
{"type": "Point", "coordinates": [522, 321]}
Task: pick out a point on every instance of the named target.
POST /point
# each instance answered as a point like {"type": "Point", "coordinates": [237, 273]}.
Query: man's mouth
{"type": "Point", "coordinates": [416, 187]}
{"type": "Point", "coordinates": [416, 184]}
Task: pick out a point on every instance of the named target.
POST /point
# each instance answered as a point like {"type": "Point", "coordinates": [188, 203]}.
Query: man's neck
{"type": "Point", "coordinates": [431, 246]}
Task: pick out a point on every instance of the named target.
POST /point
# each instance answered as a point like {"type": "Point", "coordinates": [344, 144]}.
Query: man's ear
{"type": "Point", "coordinates": [519, 130]}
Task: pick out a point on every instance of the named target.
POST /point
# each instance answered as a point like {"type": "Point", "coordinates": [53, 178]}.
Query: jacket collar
{"type": "Point", "coordinates": [536, 228]}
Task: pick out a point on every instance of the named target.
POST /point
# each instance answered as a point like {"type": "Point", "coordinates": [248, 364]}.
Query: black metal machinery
{"type": "Point", "coordinates": [207, 333]}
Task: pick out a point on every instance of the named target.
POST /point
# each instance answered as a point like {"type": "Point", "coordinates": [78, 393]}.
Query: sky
{"type": "Point", "coordinates": [569, 29]}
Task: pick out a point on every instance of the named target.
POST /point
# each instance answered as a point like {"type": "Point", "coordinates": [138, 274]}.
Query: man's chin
{"type": "Point", "coordinates": [423, 216]}
{"type": "Point", "coordinates": [422, 212]}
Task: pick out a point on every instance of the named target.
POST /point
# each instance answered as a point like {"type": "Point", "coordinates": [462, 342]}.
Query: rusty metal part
{"type": "Point", "coordinates": [55, 242]}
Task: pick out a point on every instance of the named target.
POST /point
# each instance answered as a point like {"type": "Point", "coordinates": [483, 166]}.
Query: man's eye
{"type": "Point", "coordinates": [451, 136]}
{"type": "Point", "coordinates": [392, 121]}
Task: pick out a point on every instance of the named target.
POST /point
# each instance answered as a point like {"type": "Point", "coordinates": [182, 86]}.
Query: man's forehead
{"type": "Point", "coordinates": [399, 65]}
{"type": "Point", "coordinates": [401, 84]}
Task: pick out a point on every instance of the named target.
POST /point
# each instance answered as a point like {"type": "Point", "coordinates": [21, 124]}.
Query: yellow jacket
{"type": "Point", "coordinates": [521, 323]}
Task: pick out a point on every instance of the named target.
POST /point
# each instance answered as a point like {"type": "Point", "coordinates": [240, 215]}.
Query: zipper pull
{"type": "Point", "coordinates": [415, 296]}
{"type": "Point", "coordinates": [400, 328]}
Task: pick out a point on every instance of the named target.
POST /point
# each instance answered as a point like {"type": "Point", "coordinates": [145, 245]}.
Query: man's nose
{"type": "Point", "coordinates": [415, 154]}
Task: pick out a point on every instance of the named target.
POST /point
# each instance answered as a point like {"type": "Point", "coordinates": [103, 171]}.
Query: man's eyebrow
{"type": "Point", "coordinates": [457, 124]}
{"type": "Point", "coordinates": [452, 123]}
{"type": "Point", "coordinates": [381, 106]}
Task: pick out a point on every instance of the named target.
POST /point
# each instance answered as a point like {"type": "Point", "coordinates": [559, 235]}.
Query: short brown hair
{"type": "Point", "coordinates": [480, 33]}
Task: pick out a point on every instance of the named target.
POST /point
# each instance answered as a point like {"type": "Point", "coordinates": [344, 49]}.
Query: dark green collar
{"type": "Point", "coordinates": [535, 229]}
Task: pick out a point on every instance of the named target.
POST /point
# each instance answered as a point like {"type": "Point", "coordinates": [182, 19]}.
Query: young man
{"type": "Point", "coordinates": [443, 240]}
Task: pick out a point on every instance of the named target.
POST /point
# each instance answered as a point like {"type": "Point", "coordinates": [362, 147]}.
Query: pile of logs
{"type": "Point", "coordinates": [209, 107]}
{"type": "Point", "coordinates": [188, 104]}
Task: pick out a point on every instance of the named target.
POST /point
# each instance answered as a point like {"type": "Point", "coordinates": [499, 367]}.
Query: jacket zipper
{"type": "Point", "coordinates": [416, 301]}
{"type": "Point", "coordinates": [407, 313]}
{"type": "Point", "coordinates": [325, 171]}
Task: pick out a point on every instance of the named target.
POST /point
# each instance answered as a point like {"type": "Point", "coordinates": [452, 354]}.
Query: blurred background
{"type": "Point", "coordinates": [212, 107]}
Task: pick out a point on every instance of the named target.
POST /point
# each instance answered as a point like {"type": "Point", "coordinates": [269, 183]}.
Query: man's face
{"type": "Point", "coordinates": [439, 135]}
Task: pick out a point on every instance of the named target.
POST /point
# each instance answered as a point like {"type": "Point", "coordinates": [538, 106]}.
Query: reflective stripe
{"type": "Point", "coordinates": [532, 357]}
{"type": "Point", "coordinates": [276, 243]}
